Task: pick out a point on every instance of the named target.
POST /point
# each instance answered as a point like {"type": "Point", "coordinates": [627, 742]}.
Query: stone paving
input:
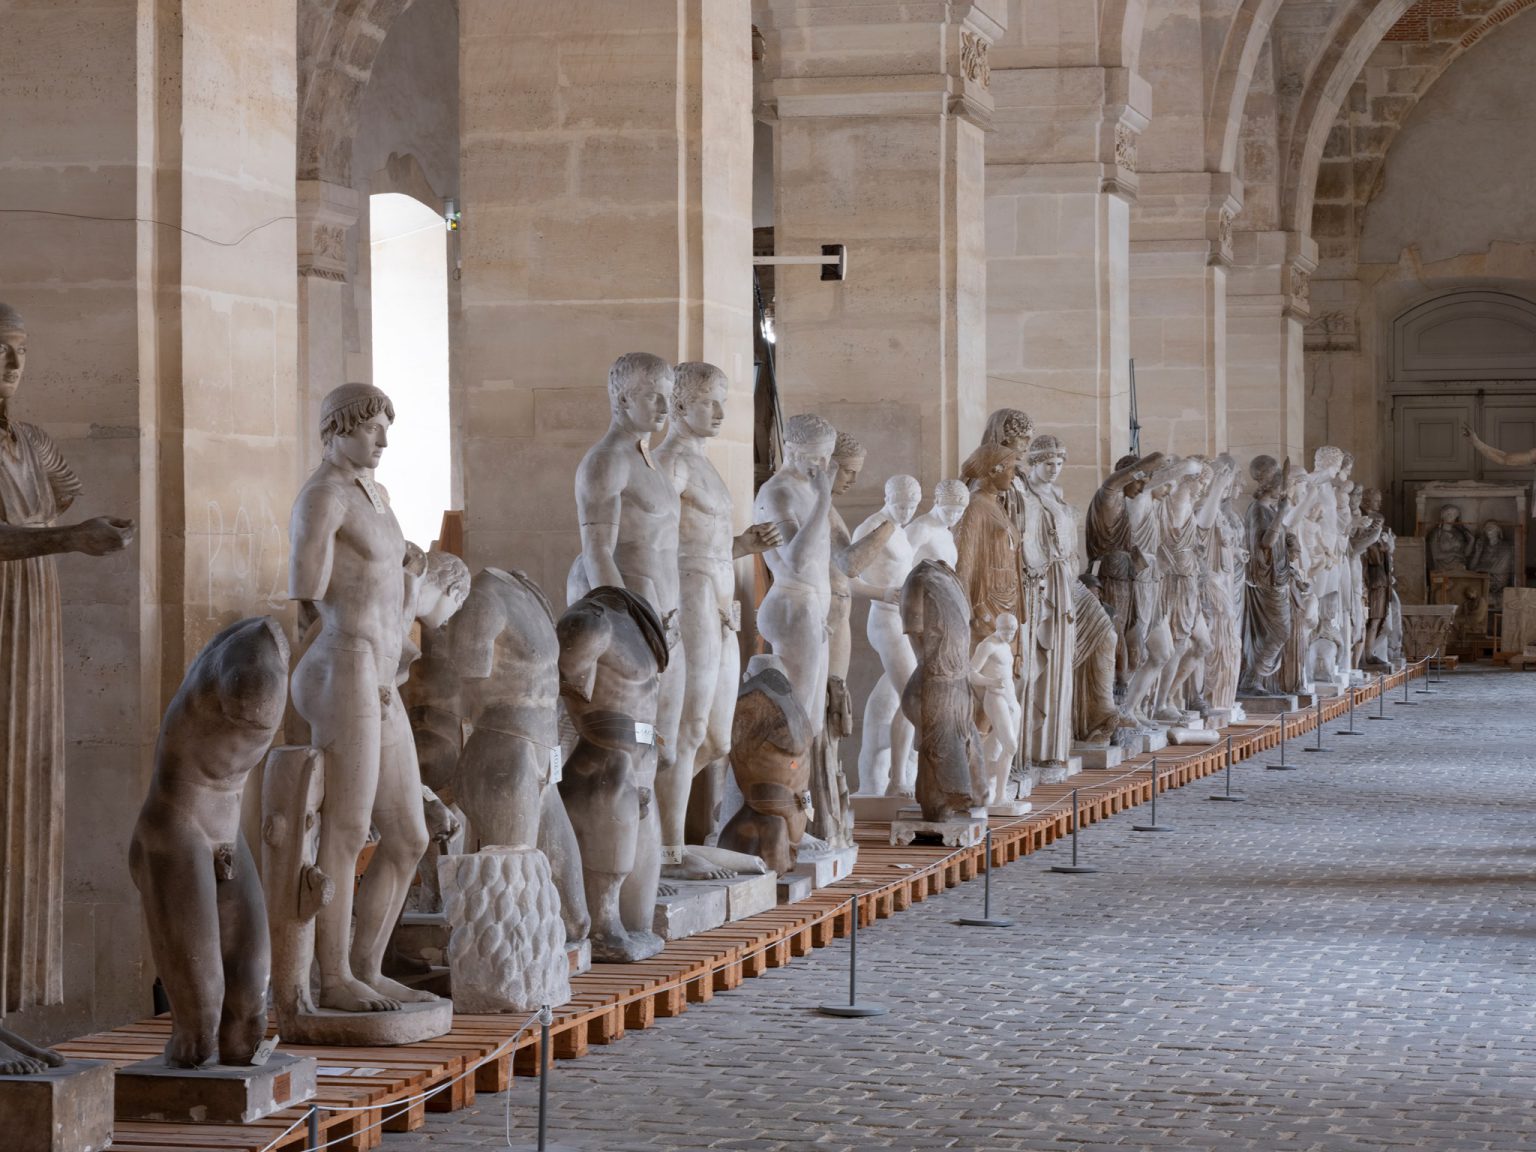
{"type": "Point", "coordinates": [1343, 962]}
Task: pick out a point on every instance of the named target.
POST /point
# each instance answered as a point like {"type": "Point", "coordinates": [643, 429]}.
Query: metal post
{"type": "Point", "coordinates": [986, 919]}
{"type": "Point", "coordinates": [1351, 730]}
{"type": "Point", "coordinates": [1282, 766]}
{"type": "Point", "coordinates": [1381, 698]}
{"type": "Point", "coordinates": [1227, 795]}
{"type": "Point", "coordinates": [1319, 748]}
{"type": "Point", "coordinates": [312, 1126]}
{"type": "Point", "coordinates": [1154, 826]}
{"type": "Point", "coordinates": [1074, 868]}
{"type": "Point", "coordinates": [546, 1017]}
{"type": "Point", "coordinates": [1428, 677]}
{"type": "Point", "coordinates": [853, 1007]}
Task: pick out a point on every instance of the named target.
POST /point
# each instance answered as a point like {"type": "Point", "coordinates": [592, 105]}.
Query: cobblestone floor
{"type": "Point", "coordinates": [1344, 962]}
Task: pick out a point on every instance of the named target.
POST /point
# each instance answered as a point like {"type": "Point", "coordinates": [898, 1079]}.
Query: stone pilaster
{"type": "Point", "coordinates": [1268, 306]}
{"type": "Point", "coordinates": [326, 212]}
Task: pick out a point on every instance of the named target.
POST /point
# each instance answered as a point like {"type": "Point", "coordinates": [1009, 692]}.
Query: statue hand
{"type": "Point", "coordinates": [1466, 430]}
{"type": "Point", "coordinates": [891, 596]}
{"type": "Point", "coordinates": [761, 538]}
{"type": "Point", "coordinates": [102, 535]}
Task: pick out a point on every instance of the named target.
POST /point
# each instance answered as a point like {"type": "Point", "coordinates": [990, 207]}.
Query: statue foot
{"type": "Point", "coordinates": [20, 1057]}
{"type": "Point", "coordinates": [401, 992]}
{"type": "Point", "coordinates": [665, 889]}
{"type": "Point", "coordinates": [809, 843]}
{"type": "Point", "coordinates": [625, 947]}
{"type": "Point", "coordinates": [695, 866]}
{"type": "Point", "coordinates": [1168, 714]}
{"type": "Point", "coordinates": [355, 996]}
{"type": "Point", "coordinates": [902, 793]}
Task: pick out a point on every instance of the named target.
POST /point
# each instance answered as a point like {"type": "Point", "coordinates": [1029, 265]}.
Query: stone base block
{"type": "Point", "coordinates": [1010, 808]}
{"type": "Point", "coordinates": [408, 1024]}
{"type": "Point", "coordinates": [794, 887]}
{"type": "Point", "coordinates": [1218, 718]}
{"type": "Point", "coordinates": [1188, 736]}
{"type": "Point", "coordinates": [221, 1094]}
{"type": "Point", "coordinates": [950, 833]}
{"type": "Point", "coordinates": [1099, 759]}
{"type": "Point", "coordinates": [826, 867]}
{"type": "Point", "coordinates": [1131, 741]}
{"type": "Point", "coordinates": [580, 956]}
{"type": "Point", "coordinates": [1268, 705]}
{"type": "Point", "coordinates": [1194, 722]}
{"type": "Point", "coordinates": [1157, 740]}
{"type": "Point", "coordinates": [697, 907]}
{"type": "Point", "coordinates": [878, 809]}
{"type": "Point", "coordinates": [748, 895]}
{"type": "Point", "coordinates": [66, 1109]}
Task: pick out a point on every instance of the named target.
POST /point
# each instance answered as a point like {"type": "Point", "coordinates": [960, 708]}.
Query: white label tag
{"type": "Point", "coordinates": [371, 489]}
{"type": "Point", "coordinates": [556, 766]}
{"type": "Point", "coordinates": [264, 1050]}
{"type": "Point", "coordinates": [645, 733]}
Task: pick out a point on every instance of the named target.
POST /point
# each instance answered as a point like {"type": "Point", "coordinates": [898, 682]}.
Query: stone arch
{"type": "Point", "coordinates": [1464, 334]}
{"type": "Point", "coordinates": [1246, 36]}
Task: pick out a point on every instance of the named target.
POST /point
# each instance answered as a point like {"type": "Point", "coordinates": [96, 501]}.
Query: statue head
{"type": "Point", "coordinates": [902, 496]}
{"type": "Point", "coordinates": [698, 398]}
{"type": "Point", "coordinates": [1493, 531]}
{"type": "Point", "coordinates": [808, 441]}
{"type": "Point", "coordinates": [443, 589]}
{"type": "Point", "coordinates": [1006, 627]}
{"type": "Point", "coordinates": [1327, 461]}
{"type": "Point", "coordinates": [1449, 514]}
{"type": "Point", "coordinates": [991, 467]}
{"type": "Point", "coordinates": [13, 351]}
{"type": "Point", "coordinates": [1047, 457]}
{"type": "Point", "coordinates": [1370, 501]}
{"type": "Point", "coordinates": [640, 392]}
{"type": "Point", "coordinates": [354, 425]}
{"type": "Point", "coordinates": [949, 500]}
{"type": "Point", "coordinates": [848, 455]}
{"type": "Point", "coordinates": [1009, 428]}
{"type": "Point", "coordinates": [1356, 497]}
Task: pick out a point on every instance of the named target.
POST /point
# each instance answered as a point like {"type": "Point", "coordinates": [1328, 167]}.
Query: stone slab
{"type": "Point", "coordinates": [795, 887]}
{"type": "Point", "coordinates": [878, 809]}
{"type": "Point", "coordinates": [826, 867]}
{"type": "Point", "coordinates": [1269, 705]}
{"type": "Point", "coordinates": [697, 907]}
{"type": "Point", "coordinates": [580, 956]}
{"type": "Point", "coordinates": [1010, 808]}
{"type": "Point", "coordinates": [1157, 740]}
{"type": "Point", "coordinates": [1218, 718]}
{"type": "Point", "coordinates": [408, 1024]}
{"type": "Point", "coordinates": [67, 1109]}
{"type": "Point", "coordinates": [221, 1094]}
{"type": "Point", "coordinates": [1100, 759]}
{"type": "Point", "coordinates": [747, 895]}
{"type": "Point", "coordinates": [950, 833]}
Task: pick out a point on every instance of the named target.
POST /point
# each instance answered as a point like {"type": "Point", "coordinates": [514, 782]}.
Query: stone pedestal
{"type": "Point", "coordinates": [795, 887]}
{"type": "Point", "coordinates": [827, 867]}
{"type": "Point", "coordinates": [878, 809]}
{"type": "Point", "coordinates": [507, 952]}
{"type": "Point", "coordinates": [579, 957]}
{"type": "Point", "coordinates": [1010, 808]}
{"type": "Point", "coordinates": [1099, 759]}
{"type": "Point", "coordinates": [66, 1109]}
{"type": "Point", "coordinates": [950, 833]}
{"type": "Point", "coordinates": [1193, 736]}
{"type": "Point", "coordinates": [409, 1024]}
{"type": "Point", "coordinates": [1156, 740]}
{"type": "Point", "coordinates": [700, 905]}
{"type": "Point", "coordinates": [1269, 705]}
{"type": "Point", "coordinates": [221, 1094]}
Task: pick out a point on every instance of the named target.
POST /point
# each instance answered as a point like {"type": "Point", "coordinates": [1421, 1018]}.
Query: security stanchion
{"type": "Point", "coordinates": [986, 919]}
{"type": "Point", "coordinates": [1154, 826]}
{"type": "Point", "coordinates": [1227, 795]}
{"type": "Point", "coordinates": [1074, 868]}
{"type": "Point", "coordinates": [1319, 748]}
{"type": "Point", "coordinates": [1381, 698]}
{"type": "Point", "coordinates": [312, 1127]}
{"type": "Point", "coordinates": [1405, 702]}
{"type": "Point", "coordinates": [1350, 731]}
{"type": "Point", "coordinates": [546, 1018]}
{"type": "Point", "coordinates": [1428, 677]}
{"type": "Point", "coordinates": [1282, 766]}
{"type": "Point", "coordinates": [853, 1007]}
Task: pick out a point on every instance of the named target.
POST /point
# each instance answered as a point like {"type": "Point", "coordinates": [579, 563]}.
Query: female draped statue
{"type": "Point", "coordinates": [1050, 563]}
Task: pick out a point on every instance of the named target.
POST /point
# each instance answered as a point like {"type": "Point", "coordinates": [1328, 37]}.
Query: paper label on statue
{"type": "Point", "coordinates": [645, 733]}
{"type": "Point", "coordinates": [264, 1050]}
{"type": "Point", "coordinates": [645, 454]}
{"type": "Point", "coordinates": [556, 766]}
{"type": "Point", "coordinates": [372, 491]}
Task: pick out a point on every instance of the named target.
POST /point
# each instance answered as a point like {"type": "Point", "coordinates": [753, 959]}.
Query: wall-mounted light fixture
{"type": "Point", "coordinates": [833, 261]}
{"type": "Point", "coordinates": [451, 214]}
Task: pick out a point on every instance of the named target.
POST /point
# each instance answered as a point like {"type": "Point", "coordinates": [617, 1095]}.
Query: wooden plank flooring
{"type": "Point", "coordinates": [392, 1089]}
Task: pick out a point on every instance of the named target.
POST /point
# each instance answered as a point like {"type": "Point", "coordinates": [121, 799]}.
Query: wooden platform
{"type": "Point", "coordinates": [392, 1089]}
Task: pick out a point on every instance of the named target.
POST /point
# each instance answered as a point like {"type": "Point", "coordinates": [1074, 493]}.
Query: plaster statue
{"type": "Point", "coordinates": [770, 740]}
{"type": "Point", "coordinates": [1267, 604]}
{"type": "Point", "coordinates": [937, 698]}
{"type": "Point", "coordinates": [1049, 546]}
{"type": "Point", "coordinates": [504, 645]}
{"type": "Point", "coordinates": [1493, 554]}
{"type": "Point", "coordinates": [987, 541]}
{"type": "Point", "coordinates": [345, 570]}
{"type": "Point", "coordinates": [1377, 579]}
{"type": "Point", "coordinates": [1365, 531]}
{"type": "Point", "coordinates": [709, 613]}
{"type": "Point", "coordinates": [37, 487]}
{"type": "Point", "coordinates": [1150, 636]}
{"type": "Point", "coordinates": [188, 858]}
{"type": "Point", "coordinates": [1450, 542]}
{"type": "Point", "coordinates": [613, 653]}
{"type": "Point", "coordinates": [1226, 558]}
{"type": "Point", "coordinates": [1109, 547]}
{"type": "Point", "coordinates": [1393, 628]}
{"type": "Point", "coordinates": [932, 534]}
{"type": "Point", "coordinates": [888, 735]}
{"type": "Point", "coordinates": [1189, 517]}
{"type": "Point", "coordinates": [1095, 716]}
{"type": "Point", "coordinates": [992, 678]}
{"type": "Point", "coordinates": [1317, 637]}
{"type": "Point", "coordinates": [292, 798]}
{"type": "Point", "coordinates": [1499, 456]}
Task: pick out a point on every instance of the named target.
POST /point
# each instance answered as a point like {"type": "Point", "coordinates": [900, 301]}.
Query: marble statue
{"type": "Point", "coordinates": [708, 611]}
{"type": "Point", "coordinates": [345, 571]}
{"type": "Point", "coordinates": [37, 487]}
{"type": "Point", "coordinates": [188, 858]}
{"type": "Point", "coordinates": [1450, 542]}
{"type": "Point", "coordinates": [1049, 545]}
{"type": "Point", "coordinates": [505, 648]}
{"type": "Point", "coordinates": [1110, 549]}
{"type": "Point", "coordinates": [770, 740]}
{"type": "Point", "coordinates": [1493, 554]}
{"type": "Point", "coordinates": [932, 534]}
{"type": "Point", "coordinates": [992, 678]}
{"type": "Point", "coordinates": [1226, 554]}
{"type": "Point", "coordinates": [987, 542]}
{"type": "Point", "coordinates": [1267, 603]}
{"type": "Point", "coordinates": [888, 735]}
{"type": "Point", "coordinates": [613, 653]}
{"type": "Point", "coordinates": [937, 698]}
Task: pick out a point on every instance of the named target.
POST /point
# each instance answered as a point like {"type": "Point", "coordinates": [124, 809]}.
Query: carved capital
{"type": "Point", "coordinates": [1298, 291]}
{"type": "Point", "coordinates": [973, 58]}
{"type": "Point", "coordinates": [1125, 147]}
{"type": "Point", "coordinates": [325, 212]}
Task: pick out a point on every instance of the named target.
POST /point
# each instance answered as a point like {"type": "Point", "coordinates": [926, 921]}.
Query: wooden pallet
{"type": "Point", "coordinates": [393, 1089]}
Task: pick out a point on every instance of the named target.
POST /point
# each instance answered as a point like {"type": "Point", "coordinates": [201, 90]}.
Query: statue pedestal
{"type": "Point", "coordinates": [1099, 759]}
{"type": "Point", "coordinates": [1010, 808]}
{"type": "Point", "coordinates": [961, 833]}
{"type": "Point", "coordinates": [66, 1109]}
{"type": "Point", "coordinates": [794, 887]}
{"type": "Point", "coordinates": [222, 1094]}
{"type": "Point", "coordinates": [408, 1024]}
{"type": "Point", "coordinates": [580, 957]}
{"type": "Point", "coordinates": [878, 809]}
{"type": "Point", "coordinates": [1269, 705]}
{"type": "Point", "coordinates": [704, 904]}
{"type": "Point", "coordinates": [1157, 740]}
{"type": "Point", "coordinates": [826, 867]}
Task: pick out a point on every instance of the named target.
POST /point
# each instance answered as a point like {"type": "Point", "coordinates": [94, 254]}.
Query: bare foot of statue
{"type": "Point", "coordinates": [400, 992]}
{"type": "Point", "coordinates": [897, 790]}
{"type": "Point", "coordinates": [355, 996]}
{"type": "Point", "coordinates": [20, 1057]}
{"type": "Point", "coordinates": [697, 866]}
{"type": "Point", "coordinates": [625, 948]}
{"type": "Point", "coordinates": [809, 843]}
{"type": "Point", "coordinates": [665, 889]}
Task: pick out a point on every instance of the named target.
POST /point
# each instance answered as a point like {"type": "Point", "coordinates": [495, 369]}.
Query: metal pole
{"type": "Point", "coordinates": [1074, 868]}
{"type": "Point", "coordinates": [312, 1126]}
{"type": "Point", "coordinates": [1428, 689]}
{"type": "Point", "coordinates": [1154, 826]}
{"type": "Point", "coordinates": [1319, 709]}
{"type": "Point", "coordinates": [1227, 795]}
{"type": "Point", "coordinates": [986, 919]}
{"type": "Point", "coordinates": [1351, 730]}
{"type": "Point", "coordinates": [853, 1007]}
{"type": "Point", "coordinates": [1282, 766]}
{"type": "Point", "coordinates": [1381, 698]}
{"type": "Point", "coordinates": [546, 1017]}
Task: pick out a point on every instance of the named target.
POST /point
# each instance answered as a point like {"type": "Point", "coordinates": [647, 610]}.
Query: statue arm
{"type": "Point", "coordinates": [599, 506]}
{"type": "Point", "coordinates": [317, 517]}
{"type": "Point", "coordinates": [1209, 508]}
{"type": "Point", "coordinates": [1498, 455]}
{"type": "Point", "coordinates": [93, 537]}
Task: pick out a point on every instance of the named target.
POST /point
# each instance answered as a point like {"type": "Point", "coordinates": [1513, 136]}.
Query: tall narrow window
{"type": "Point", "coordinates": [410, 357]}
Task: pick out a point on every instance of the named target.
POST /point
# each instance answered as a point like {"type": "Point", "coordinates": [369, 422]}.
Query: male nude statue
{"type": "Point", "coordinates": [933, 533]}
{"type": "Point", "coordinates": [992, 677]}
{"type": "Point", "coordinates": [346, 571]}
{"type": "Point", "coordinates": [708, 610]}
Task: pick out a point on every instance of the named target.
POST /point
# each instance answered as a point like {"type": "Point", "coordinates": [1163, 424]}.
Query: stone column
{"type": "Point", "coordinates": [1268, 305]}
{"type": "Point", "coordinates": [607, 196]}
{"type": "Point", "coordinates": [1061, 183]}
{"type": "Point", "coordinates": [879, 144]}
{"type": "Point", "coordinates": [326, 213]}
{"type": "Point", "coordinates": [1181, 247]}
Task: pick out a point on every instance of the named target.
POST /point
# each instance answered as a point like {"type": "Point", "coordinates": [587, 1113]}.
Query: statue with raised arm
{"type": "Point", "coordinates": [1191, 514]}
{"type": "Point", "coordinates": [1500, 456]}
{"type": "Point", "coordinates": [886, 748]}
{"type": "Point", "coordinates": [708, 612]}
{"type": "Point", "coordinates": [37, 487]}
{"type": "Point", "coordinates": [346, 572]}
{"type": "Point", "coordinates": [1109, 546]}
